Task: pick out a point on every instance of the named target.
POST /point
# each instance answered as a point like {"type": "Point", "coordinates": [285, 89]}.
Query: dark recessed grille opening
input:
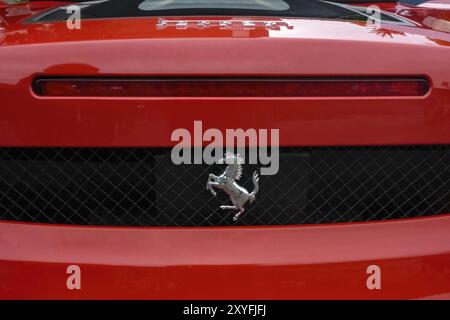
{"type": "Point", "coordinates": [141, 187]}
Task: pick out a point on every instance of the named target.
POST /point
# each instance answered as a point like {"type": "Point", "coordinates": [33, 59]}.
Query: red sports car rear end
{"type": "Point", "coordinates": [284, 149]}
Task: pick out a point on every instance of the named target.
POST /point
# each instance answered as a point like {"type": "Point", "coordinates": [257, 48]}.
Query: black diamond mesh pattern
{"type": "Point", "coordinates": [141, 187]}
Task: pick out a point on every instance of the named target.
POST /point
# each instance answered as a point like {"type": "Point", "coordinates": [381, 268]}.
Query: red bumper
{"type": "Point", "coordinates": [299, 262]}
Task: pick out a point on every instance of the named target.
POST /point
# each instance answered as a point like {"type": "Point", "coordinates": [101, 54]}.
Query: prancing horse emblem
{"type": "Point", "coordinates": [239, 196]}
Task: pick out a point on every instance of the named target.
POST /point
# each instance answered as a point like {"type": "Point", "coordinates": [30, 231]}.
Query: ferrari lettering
{"type": "Point", "coordinates": [225, 24]}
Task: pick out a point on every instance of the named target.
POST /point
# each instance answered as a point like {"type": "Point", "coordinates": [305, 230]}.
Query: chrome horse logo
{"type": "Point", "coordinates": [239, 196]}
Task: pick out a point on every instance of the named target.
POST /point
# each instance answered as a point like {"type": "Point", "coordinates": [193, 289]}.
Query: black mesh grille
{"type": "Point", "coordinates": [141, 187]}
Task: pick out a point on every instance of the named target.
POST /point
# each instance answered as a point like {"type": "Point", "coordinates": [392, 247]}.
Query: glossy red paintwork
{"type": "Point", "coordinates": [307, 262]}
{"type": "Point", "coordinates": [277, 262]}
{"type": "Point", "coordinates": [135, 47]}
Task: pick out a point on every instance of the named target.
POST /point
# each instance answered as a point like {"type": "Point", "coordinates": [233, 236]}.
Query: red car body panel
{"type": "Point", "coordinates": [322, 262]}
{"type": "Point", "coordinates": [135, 47]}
{"type": "Point", "coordinates": [326, 261]}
